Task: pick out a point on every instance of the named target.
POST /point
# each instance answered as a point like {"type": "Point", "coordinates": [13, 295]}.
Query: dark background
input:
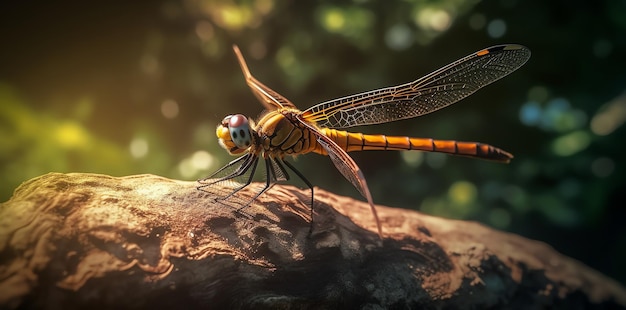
{"type": "Point", "coordinates": [127, 87]}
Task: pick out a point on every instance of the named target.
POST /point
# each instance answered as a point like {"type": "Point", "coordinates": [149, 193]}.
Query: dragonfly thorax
{"type": "Point", "coordinates": [235, 134]}
{"type": "Point", "coordinates": [281, 133]}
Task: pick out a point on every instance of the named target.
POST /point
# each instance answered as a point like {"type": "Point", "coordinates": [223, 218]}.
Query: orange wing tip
{"type": "Point", "coordinates": [483, 52]}
{"type": "Point", "coordinates": [505, 47]}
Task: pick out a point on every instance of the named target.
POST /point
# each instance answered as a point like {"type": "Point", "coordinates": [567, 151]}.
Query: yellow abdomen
{"type": "Point", "coordinates": [350, 141]}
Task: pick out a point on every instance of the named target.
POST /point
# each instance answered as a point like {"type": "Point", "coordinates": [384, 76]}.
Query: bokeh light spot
{"type": "Point", "coordinates": [433, 19]}
{"type": "Point", "coordinates": [500, 218]}
{"type": "Point", "coordinates": [516, 197]}
{"type": "Point", "coordinates": [333, 20]}
{"type": "Point", "coordinates": [491, 190]}
{"type": "Point", "coordinates": [234, 17]}
{"type": "Point", "coordinates": [538, 93]}
{"type": "Point", "coordinates": [496, 28]}
{"type": "Point", "coordinates": [569, 188]}
{"type": "Point", "coordinates": [610, 117]}
{"type": "Point", "coordinates": [570, 120]}
{"type": "Point", "coordinates": [477, 21]}
{"type": "Point", "coordinates": [557, 211]}
{"type": "Point", "coordinates": [434, 206]}
{"type": "Point", "coordinates": [399, 37]}
{"type": "Point", "coordinates": [530, 113]}
{"type": "Point", "coordinates": [602, 48]}
{"type": "Point", "coordinates": [204, 30]}
{"type": "Point", "coordinates": [571, 143]}
{"type": "Point", "coordinates": [70, 135]}
{"type": "Point", "coordinates": [258, 49]}
{"type": "Point", "coordinates": [139, 148]}
{"type": "Point", "coordinates": [413, 159]}
{"type": "Point", "coordinates": [264, 6]}
{"type": "Point", "coordinates": [462, 193]}
{"type": "Point", "coordinates": [186, 168]}
{"type": "Point", "coordinates": [149, 64]}
{"type": "Point", "coordinates": [602, 167]}
{"type": "Point", "coordinates": [202, 160]}
{"type": "Point", "coordinates": [285, 57]}
{"type": "Point", "coordinates": [436, 160]}
{"type": "Point", "coordinates": [554, 112]}
{"type": "Point", "coordinates": [169, 108]}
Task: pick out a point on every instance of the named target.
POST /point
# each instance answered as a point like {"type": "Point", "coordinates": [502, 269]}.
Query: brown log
{"type": "Point", "coordinates": [94, 241]}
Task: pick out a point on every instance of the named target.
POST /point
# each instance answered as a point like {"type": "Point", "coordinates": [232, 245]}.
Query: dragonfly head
{"type": "Point", "coordinates": [234, 134]}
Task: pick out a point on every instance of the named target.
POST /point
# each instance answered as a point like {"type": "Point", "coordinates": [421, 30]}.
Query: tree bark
{"type": "Point", "coordinates": [85, 240]}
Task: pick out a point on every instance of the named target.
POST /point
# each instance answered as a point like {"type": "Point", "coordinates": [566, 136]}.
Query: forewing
{"type": "Point", "coordinates": [430, 93]}
{"type": "Point", "coordinates": [268, 97]}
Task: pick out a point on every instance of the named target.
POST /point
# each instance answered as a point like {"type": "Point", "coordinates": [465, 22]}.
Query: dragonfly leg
{"type": "Point", "coordinates": [254, 164]}
{"type": "Point", "coordinates": [250, 161]}
{"type": "Point", "coordinates": [270, 180]}
{"type": "Point", "coordinates": [301, 176]}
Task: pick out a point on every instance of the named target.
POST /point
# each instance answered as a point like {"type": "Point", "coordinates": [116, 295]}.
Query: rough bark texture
{"type": "Point", "coordinates": [84, 240]}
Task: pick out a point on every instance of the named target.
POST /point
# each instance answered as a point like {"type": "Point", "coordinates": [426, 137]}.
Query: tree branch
{"type": "Point", "coordinates": [85, 240]}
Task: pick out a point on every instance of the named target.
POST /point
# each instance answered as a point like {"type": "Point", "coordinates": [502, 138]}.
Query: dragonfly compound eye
{"type": "Point", "coordinates": [239, 129]}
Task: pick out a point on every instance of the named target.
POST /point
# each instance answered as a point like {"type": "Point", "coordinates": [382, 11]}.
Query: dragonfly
{"type": "Point", "coordinates": [285, 131]}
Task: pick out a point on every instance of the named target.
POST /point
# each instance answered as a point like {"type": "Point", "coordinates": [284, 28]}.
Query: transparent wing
{"type": "Point", "coordinates": [430, 93]}
{"type": "Point", "coordinates": [348, 168]}
{"type": "Point", "coordinates": [268, 97]}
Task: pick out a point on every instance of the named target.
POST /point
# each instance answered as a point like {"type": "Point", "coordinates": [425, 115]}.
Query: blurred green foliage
{"type": "Point", "coordinates": [123, 88]}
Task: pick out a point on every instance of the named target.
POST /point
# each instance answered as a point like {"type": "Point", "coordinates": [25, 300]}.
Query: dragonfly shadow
{"type": "Point", "coordinates": [283, 211]}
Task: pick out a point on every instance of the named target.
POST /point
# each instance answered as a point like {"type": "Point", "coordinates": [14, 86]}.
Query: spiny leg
{"type": "Point", "coordinates": [301, 176]}
{"type": "Point", "coordinates": [240, 170]}
{"type": "Point", "coordinates": [250, 161]}
{"type": "Point", "coordinates": [270, 180]}
{"type": "Point", "coordinates": [252, 165]}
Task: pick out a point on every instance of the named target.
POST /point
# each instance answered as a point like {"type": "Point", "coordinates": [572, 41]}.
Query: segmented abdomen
{"type": "Point", "coordinates": [350, 142]}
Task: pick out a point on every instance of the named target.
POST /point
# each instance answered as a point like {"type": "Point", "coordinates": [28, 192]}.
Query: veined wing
{"type": "Point", "coordinates": [430, 93]}
{"type": "Point", "coordinates": [348, 168]}
{"type": "Point", "coordinates": [268, 97]}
